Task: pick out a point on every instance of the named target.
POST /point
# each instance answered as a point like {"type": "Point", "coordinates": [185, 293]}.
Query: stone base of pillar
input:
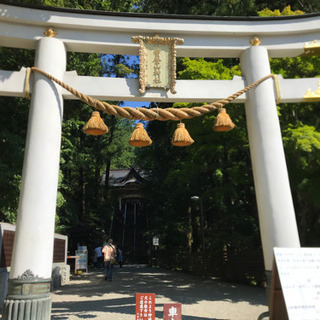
{"type": "Point", "coordinates": [268, 289]}
{"type": "Point", "coordinates": [28, 298]}
{"type": "Point", "coordinates": [35, 309]}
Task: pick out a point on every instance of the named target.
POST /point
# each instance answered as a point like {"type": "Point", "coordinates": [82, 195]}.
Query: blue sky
{"type": "Point", "coordinates": [133, 104]}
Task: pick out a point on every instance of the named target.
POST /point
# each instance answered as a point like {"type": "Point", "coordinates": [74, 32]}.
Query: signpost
{"type": "Point", "coordinates": [145, 306]}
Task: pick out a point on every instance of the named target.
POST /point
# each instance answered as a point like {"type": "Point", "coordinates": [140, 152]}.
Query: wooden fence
{"type": "Point", "coordinates": [245, 266]}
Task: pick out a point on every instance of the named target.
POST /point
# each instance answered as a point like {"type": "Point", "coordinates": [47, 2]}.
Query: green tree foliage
{"type": "Point", "coordinates": [302, 144]}
{"type": "Point", "coordinates": [236, 8]}
{"type": "Point", "coordinates": [308, 6]}
{"type": "Point", "coordinates": [227, 7]}
{"type": "Point", "coordinates": [13, 127]}
{"type": "Point", "coordinates": [85, 158]}
{"type": "Point", "coordinates": [285, 12]}
{"type": "Point", "coordinates": [300, 130]}
{"type": "Point", "coordinates": [82, 199]}
{"type": "Point", "coordinates": [102, 5]}
{"type": "Point", "coordinates": [202, 7]}
{"type": "Point", "coordinates": [201, 69]}
{"type": "Point", "coordinates": [216, 168]}
{"type": "Point", "coordinates": [12, 133]}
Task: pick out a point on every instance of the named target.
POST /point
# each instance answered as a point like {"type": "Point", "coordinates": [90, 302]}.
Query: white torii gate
{"type": "Point", "coordinates": [110, 33]}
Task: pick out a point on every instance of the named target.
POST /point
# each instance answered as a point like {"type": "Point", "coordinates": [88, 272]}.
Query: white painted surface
{"type": "Point", "coordinates": [276, 212]}
{"type": "Point", "coordinates": [33, 244]}
{"type": "Point", "coordinates": [12, 83]}
{"type": "Point", "coordinates": [22, 27]}
{"type": "Point", "coordinates": [299, 277]}
{"type": "Point", "coordinates": [117, 89]}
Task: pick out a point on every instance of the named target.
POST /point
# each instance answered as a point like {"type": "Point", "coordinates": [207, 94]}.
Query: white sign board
{"type": "Point", "coordinates": [82, 261]}
{"type": "Point", "coordinates": [299, 273]}
{"type": "Point", "coordinates": [155, 241]}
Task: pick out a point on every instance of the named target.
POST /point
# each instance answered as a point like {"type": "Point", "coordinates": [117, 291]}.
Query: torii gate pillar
{"type": "Point", "coordinates": [275, 206]}
{"type": "Point", "coordinates": [30, 275]}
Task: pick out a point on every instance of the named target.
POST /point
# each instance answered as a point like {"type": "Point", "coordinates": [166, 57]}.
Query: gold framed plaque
{"type": "Point", "coordinates": [157, 62]}
{"type": "Point", "coordinates": [312, 96]}
{"type": "Point", "coordinates": [312, 48]}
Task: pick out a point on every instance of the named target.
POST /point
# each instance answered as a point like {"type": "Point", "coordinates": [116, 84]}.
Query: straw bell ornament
{"type": "Point", "coordinates": [140, 137]}
{"type": "Point", "coordinates": [95, 126]}
{"type": "Point", "coordinates": [223, 121]}
{"type": "Point", "coordinates": [181, 137]}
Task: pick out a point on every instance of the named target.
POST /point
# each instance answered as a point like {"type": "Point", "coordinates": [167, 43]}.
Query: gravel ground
{"type": "Point", "coordinates": [89, 296]}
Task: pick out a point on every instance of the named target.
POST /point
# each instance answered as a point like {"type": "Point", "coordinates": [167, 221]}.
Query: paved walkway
{"type": "Point", "coordinates": [89, 296]}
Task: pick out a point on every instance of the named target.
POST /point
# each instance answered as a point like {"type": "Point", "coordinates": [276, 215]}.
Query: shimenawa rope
{"type": "Point", "coordinates": [153, 113]}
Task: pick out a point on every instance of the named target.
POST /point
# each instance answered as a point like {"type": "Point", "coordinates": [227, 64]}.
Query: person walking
{"type": "Point", "coordinates": [97, 257]}
{"type": "Point", "coordinates": [120, 257]}
{"type": "Point", "coordinates": [109, 252]}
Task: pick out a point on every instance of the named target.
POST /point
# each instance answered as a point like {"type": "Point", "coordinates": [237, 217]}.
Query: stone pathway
{"type": "Point", "coordinates": [89, 296]}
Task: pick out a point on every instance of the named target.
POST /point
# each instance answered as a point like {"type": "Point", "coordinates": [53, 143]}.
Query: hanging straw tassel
{"type": "Point", "coordinates": [181, 137]}
{"type": "Point", "coordinates": [223, 121]}
{"type": "Point", "coordinates": [95, 126]}
{"type": "Point", "coordinates": [139, 137]}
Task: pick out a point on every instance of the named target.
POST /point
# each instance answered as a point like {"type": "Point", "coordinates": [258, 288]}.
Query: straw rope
{"type": "Point", "coordinates": [153, 113]}
{"type": "Point", "coordinates": [277, 85]}
{"type": "Point", "coordinates": [27, 84]}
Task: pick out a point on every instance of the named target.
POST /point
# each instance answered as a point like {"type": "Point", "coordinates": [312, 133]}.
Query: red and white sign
{"type": "Point", "coordinates": [172, 311]}
{"type": "Point", "coordinates": [145, 306]}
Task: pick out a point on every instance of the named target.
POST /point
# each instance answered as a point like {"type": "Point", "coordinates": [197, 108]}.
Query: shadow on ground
{"type": "Point", "coordinates": [91, 292]}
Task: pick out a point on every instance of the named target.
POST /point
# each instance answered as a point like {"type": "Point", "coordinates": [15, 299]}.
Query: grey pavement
{"type": "Point", "coordinates": [89, 296]}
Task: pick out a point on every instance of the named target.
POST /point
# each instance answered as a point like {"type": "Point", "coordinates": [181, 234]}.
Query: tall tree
{"type": "Point", "coordinates": [223, 8]}
{"type": "Point", "coordinates": [216, 168]}
{"type": "Point", "coordinates": [301, 137]}
{"type": "Point", "coordinates": [81, 198]}
{"type": "Point", "coordinates": [14, 112]}
{"type": "Point", "coordinates": [219, 169]}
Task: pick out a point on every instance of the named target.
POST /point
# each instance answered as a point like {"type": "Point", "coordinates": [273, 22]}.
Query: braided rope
{"type": "Point", "coordinates": [27, 84]}
{"type": "Point", "coordinates": [153, 113]}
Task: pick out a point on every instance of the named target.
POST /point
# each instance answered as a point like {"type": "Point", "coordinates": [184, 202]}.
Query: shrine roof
{"type": "Point", "coordinates": [122, 177]}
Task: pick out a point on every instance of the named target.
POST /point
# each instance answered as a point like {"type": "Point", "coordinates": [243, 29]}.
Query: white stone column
{"type": "Point", "coordinates": [30, 275]}
{"type": "Point", "coordinates": [276, 212]}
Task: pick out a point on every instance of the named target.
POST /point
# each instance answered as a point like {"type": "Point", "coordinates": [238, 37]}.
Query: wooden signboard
{"type": "Point", "coordinates": [145, 306]}
{"type": "Point", "coordinates": [295, 285]}
{"type": "Point", "coordinates": [277, 306]}
{"type": "Point", "coordinates": [172, 311]}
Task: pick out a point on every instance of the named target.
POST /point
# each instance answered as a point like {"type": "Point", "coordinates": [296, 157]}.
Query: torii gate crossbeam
{"type": "Point", "coordinates": [110, 33]}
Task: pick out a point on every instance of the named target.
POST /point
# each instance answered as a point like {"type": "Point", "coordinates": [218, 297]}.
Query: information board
{"type": "Point", "coordinates": [145, 306]}
{"type": "Point", "coordinates": [155, 241]}
{"type": "Point", "coordinates": [172, 311]}
{"type": "Point", "coordinates": [82, 260]}
{"type": "Point", "coordinates": [299, 273]}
